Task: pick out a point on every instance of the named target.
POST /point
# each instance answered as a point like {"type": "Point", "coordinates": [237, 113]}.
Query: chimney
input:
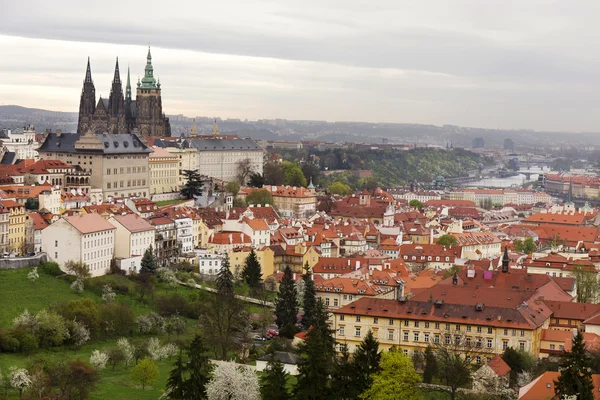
{"type": "Point", "coordinates": [400, 291]}
{"type": "Point", "coordinates": [430, 236]}
{"type": "Point", "coordinates": [357, 264]}
{"type": "Point", "coordinates": [230, 238]}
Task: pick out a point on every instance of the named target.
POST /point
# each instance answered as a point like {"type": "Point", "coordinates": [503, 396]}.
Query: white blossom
{"type": "Point", "coordinates": [80, 334]}
{"type": "Point", "coordinates": [127, 350]}
{"type": "Point", "coordinates": [98, 360]}
{"type": "Point", "coordinates": [158, 352]}
{"type": "Point", "coordinates": [33, 275]}
{"type": "Point", "coordinates": [168, 276]}
{"type": "Point", "coordinates": [20, 379]}
{"type": "Point", "coordinates": [77, 286]}
{"type": "Point", "coordinates": [108, 295]}
{"type": "Point", "coordinates": [523, 378]}
{"type": "Point", "coordinates": [25, 320]}
{"type": "Point", "coordinates": [230, 381]}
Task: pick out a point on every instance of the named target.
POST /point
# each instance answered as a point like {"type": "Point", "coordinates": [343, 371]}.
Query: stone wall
{"type": "Point", "coordinates": [22, 262]}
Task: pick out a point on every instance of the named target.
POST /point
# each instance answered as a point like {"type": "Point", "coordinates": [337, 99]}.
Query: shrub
{"type": "Point", "coordinates": [98, 360]}
{"type": "Point", "coordinates": [82, 310]}
{"type": "Point", "coordinates": [108, 294]}
{"type": "Point", "coordinates": [127, 349]}
{"type": "Point", "coordinates": [29, 343]}
{"type": "Point", "coordinates": [33, 275]}
{"type": "Point", "coordinates": [117, 319]}
{"type": "Point", "coordinates": [151, 323]}
{"type": "Point", "coordinates": [51, 268]}
{"type": "Point", "coordinates": [80, 334]}
{"type": "Point", "coordinates": [8, 343]}
{"type": "Point", "coordinates": [77, 286]}
{"type": "Point", "coordinates": [171, 305]}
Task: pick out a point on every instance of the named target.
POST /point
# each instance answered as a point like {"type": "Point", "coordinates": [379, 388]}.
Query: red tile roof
{"type": "Point", "coordinates": [499, 366]}
{"type": "Point", "coordinates": [89, 223]}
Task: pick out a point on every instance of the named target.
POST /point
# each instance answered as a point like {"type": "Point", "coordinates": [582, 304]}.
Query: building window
{"type": "Point", "coordinates": [478, 360]}
{"type": "Point", "coordinates": [458, 327]}
{"type": "Point", "coordinates": [406, 323]}
{"type": "Point", "coordinates": [552, 347]}
{"type": "Point", "coordinates": [426, 324]}
{"type": "Point", "coordinates": [375, 320]}
{"type": "Point", "coordinates": [55, 255]}
{"type": "Point", "coordinates": [505, 332]}
{"type": "Point", "coordinates": [327, 301]}
{"type": "Point", "coordinates": [405, 336]}
{"type": "Point", "coordinates": [357, 333]}
{"type": "Point", "coordinates": [490, 330]}
{"type": "Point", "coordinates": [522, 333]}
{"type": "Point", "coordinates": [358, 318]}
{"type": "Point", "coordinates": [522, 346]}
{"type": "Point", "coordinates": [436, 339]}
{"type": "Point", "coordinates": [416, 324]}
{"type": "Point", "coordinates": [391, 335]}
{"type": "Point", "coordinates": [426, 337]}
{"type": "Point", "coordinates": [437, 325]}
{"type": "Point", "coordinates": [468, 328]}
{"type": "Point", "coordinates": [468, 341]}
{"type": "Point", "coordinates": [416, 336]}
{"type": "Point", "coordinates": [335, 302]}
{"type": "Point", "coordinates": [504, 345]}
{"type": "Point", "coordinates": [447, 339]}
{"type": "Point", "coordinates": [56, 243]}
{"type": "Point", "coordinates": [489, 343]}
{"type": "Point", "coordinates": [341, 331]}
{"type": "Point", "coordinates": [479, 343]}
{"type": "Point", "coordinates": [341, 317]}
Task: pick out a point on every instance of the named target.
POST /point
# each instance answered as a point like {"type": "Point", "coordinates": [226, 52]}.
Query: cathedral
{"type": "Point", "coordinates": [122, 114]}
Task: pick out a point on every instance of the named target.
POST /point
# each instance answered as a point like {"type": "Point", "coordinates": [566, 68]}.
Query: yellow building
{"type": "Point", "coordinates": [187, 159]}
{"type": "Point", "coordinates": [16, 226]}
{"type": "Point", "coordinates": [290, 202]}
{"type": "Point", "coordinates": [164, 172]}
{"type": "Point", "coordinates": [410, 326]}
{"type": "Point", "coordinates": [265, 257]}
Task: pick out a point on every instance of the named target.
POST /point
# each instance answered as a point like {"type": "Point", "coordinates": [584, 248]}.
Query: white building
{"type": "Point", "coordinates": [50, 200]}
{"type": "Point", "coordinates": [209, 263]}
{"type": "Point", "coordinates": [86, 238]}
{"type": "Point", "coordinates": [185, 237]}
{"type": "Point", "coordinates": [21, 142]}
{"type": "Point", "coordinates": [134, 235]}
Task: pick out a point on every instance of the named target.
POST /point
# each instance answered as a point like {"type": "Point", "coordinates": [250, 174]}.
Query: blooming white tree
{"type": "Point", "coordinates": [231, 381]}
{"type": "Point", "coordinates": [20, 379]}
{"type": "Point", "coordinates": [127, 350]}
{"type": "Point", "coordinates": [77, 285]}
{"type": "Point", "coordinates": [33, 275]}
{"type": "Point", "coordinates": [150, 323]}
{"type": "Point", "coordinates": [98, 360]}
{"type": "Point", "coordinates": [108, 294]}
{"type": "Point", "coordinates": [168, 276]}
{"type": "Point", "coordinates": [80, 333]}
{"type": "Point", "coordinates": [26, 320]}
{"type": "Point", "coordinates": [523, 378]}
{"type": "Point", "coordinates": [158, 352]}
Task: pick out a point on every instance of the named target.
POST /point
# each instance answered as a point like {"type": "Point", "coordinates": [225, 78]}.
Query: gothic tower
{"type": "Point", "coordinates": [116, 104]}
{"type": "Point", "coordinates": [150, 119]}
{"type": "Point", "coordinates": [87, 104]}
{"type": "Point", "coordinates": [505, 260]}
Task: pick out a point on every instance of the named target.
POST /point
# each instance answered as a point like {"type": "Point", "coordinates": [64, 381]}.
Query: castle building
{"type": "Point", "coordinates": [122, 114]}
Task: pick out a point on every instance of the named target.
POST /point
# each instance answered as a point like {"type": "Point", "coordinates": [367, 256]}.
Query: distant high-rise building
{"type": "Point", "coordinates": [509, 144]}
{"type": "Point", "coordinates": [119, 114]}
{"type": "Point", "coordinates": [478, 143]}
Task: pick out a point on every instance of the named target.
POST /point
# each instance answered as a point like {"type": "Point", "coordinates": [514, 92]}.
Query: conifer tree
{"type": "Point", "coordinates": [225, 279]}
{"type": "Point", "coordinates": [193, 184]}
{"type": "Point", "coordinates": [309, 298]}
{"type": "Point", "coordinates": [366, 361]}
{"type": "Point", "coordinates": [343, 379]}
{"type": "Point", "coordinates": [575, 377]}
{"type": "Point", "coordinates": [318, 352]}
{"type": "Point", "coordinates": [252, 273]}
{"type": "Point", "coordinates": [431, 367]}
{"type": "Point", "coordinates": [273, 384]}
{"type": "Point", "coordinates": [176, 381]}
{"type": "Point", "coordinates": [188, 380]}
{"type": "Point", "coordinates": [148, 265]}
{"type": "Point", "coordinates": [286, 305]}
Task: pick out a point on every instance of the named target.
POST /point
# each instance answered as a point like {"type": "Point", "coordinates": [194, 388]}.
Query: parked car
{"type": "Point", "coordinates": [259, 338]}
{"type": "Point", "coordinates": [272, 333]}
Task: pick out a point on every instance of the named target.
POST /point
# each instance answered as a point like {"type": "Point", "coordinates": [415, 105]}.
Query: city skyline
{"type": "Point", "coordinates": [499, 66]}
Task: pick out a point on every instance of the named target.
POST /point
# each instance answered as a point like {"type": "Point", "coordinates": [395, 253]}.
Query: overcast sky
{"type": "Point", "coordinates": [495, 64]}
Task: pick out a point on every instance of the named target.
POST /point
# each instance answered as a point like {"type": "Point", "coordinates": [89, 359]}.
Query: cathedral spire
{"type": "Point", "coordinates": [88, 73]}
{"type": "Point", "coordinates": [194, 131]}
{"type": "Point", "coordinates": [117, 78]}
{"type": "Point", "coordinates": [128, 87]}
{"type": "Point", "coordinates": [148, 81]}
{"type": "Point", "coordinates": [215, 131]}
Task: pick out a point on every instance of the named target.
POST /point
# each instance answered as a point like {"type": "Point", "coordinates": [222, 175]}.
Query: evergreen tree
{"type": "Point", "coordinates": [199, 369]}
{"type": "Point", "coordinates": [343, 382]}
{"type": "Point", "coordinates": [225, 279]}
{"type": "Point", "coordinates": [176, 381]}
{"type": "Point", "coordinates": [193, 184]}
{"type": "Point", "coordinates": [366, 362]}
{"type": "Point", "coordinates": [148, 262]}
{"type": "Point", "coordinates": [273, 384]}
{"type": "Point", "coordinates": [431, 367]}
{"type": "Point", "coordinates": [309, 298]}
{"type": "Point", "coordinates": [286, 305]}
{"type": "Point", "coordinates": [318, 353]}
{"type": "Point", "coordinates": [252, 274]}
{"type": "Point", "coordinates": [575, 377]}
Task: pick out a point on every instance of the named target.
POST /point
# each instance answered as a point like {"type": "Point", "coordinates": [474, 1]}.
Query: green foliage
{"type": "Point", "coordinates": [273, 173]}
{"type": "Point", "coordinates": [340, 188]}
{"type": "Point", "coordinates": [588, 285]}
{"type": "Point", "coordinates": [237, 202]}
{"type": "Point", "coordinates": [318, 352]}
{"type": "Point", "coordinates": [51, 268]}
{"type": "Point", "coordinates": [273, 384]}
{"type": "Point", "coordinates": [486, 203]}
{"type": "Point", "coordinates": [309, 298]}
{"type": "Point", "coordinates": [396, 379]}
{"type": "Point", "coordinates": [233, 187]}
{"type": "Point", "coordinates": [144, 373]}
{"type": "Point", "coordinates": [575, 377]}
{"type": "Point", "coordinates": [148, 264]}
{"type": "Point", "coordinates": [293, 175]}
{"type": "Point", "coordinates": [225, 278]}
{"type": "Point", "coordinates": [256, 180]}
{"type": "Point", "coordinates": [415, 203]}
{"type": "Point", "coordinates": [193, 184]}
{"type": "Point", "coordinates": [262, 197]}
{"type": "Point", "coordinates": [286, 305]}
{"type": "Point", "coordinates": [343, 384]}
{"type": "Point", "coordinates": [187, 380]}
{"type": "Point", "coordinates": [252, 274]}
{"type": "Point", "coordinates": [526, 246]}
{"type": "Point", "coordinates": [447, 240]}
{"type": "Point", "coordinates": [80, 269]}
{"type": "Point", "coordinates": [366, 362]}
{"type": "Point", "coordinates": [431, 367]}
{"type": "Point", "coordinates": [32, 203]}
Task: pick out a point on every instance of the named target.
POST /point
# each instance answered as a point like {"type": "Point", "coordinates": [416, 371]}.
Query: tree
{"type": "Point", "coordinates": [225, 278]}
{"type": "Point", "coordinates": [575, 377]}
{"type": "Point", "coordinates": [340, 188]}
{"type": "Point", "coordinates": [273, 173]}
{"type": "Point", "coordinates": [286, 304]}
{"type": "Point", "coordinates": [318, 353]}
{"type": "Point", "coordinates": [292, 174]}
{"type": "Point", "coordinates": [273, 384]}
{"type": "Point", "coordinates": [148, 264]}
{"type": "Point", "coordinates": [230, 381]}
{"type": "Point", "coordinates": [588, 286]}
{"type": "Point", "coordinates": [98, 360]}
{"type": "Point", "coordinates": [144, 373]}
{"type": "Point", "coordinates": [454, 353]}
{"type": "Point", "coordinates": [176, 383]}
{"type": "Point", "coordinates": [261, 196]}
{"type": "Point", "coordinates": [396, 379]}
{"type": "Point", "coordinates": [20, 380]}
{"type": "Point", "coordinates": [343, 378]}
{"type": "Point", "coordinates": [193, 184]}
{"type": "Point", "coordinates": [32, 203]}
{"type": "Point", "coordinates": [243, 170]}
{"type": "Point", "coordinates": [526, 246]}
{"type": "Point", "coordinates": [309, 298]}
{"type": "Point", "coordinates": [233, 187]}
{"type": "Point", "coordinates": [415, 203]}
{"type": "Point", "coordinates": [115, 356]}
{"type": "Point", "coordinates": [80, 269]}
{"type": "Point", "coordinates": [518, 361]}
{"type": "Point", "coordinates": [431, 367]}
{"type": "Point", "coordinates": [256, 180]}
{"type": "Point", "coordinates": [447, 240]}
{"type": "Point", "coordinates": [251, 273]}
{"type": "Point", "coordinates": [366, 362]}
{"type": "Point", "coordinates": [198, 370]}
{"type": "Point", "coordinates": [75, 379]}
{"type": "Point", "coordinates": [175, 325]}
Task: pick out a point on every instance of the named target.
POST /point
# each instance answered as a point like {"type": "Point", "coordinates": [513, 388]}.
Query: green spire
{"type": "Point", "coordinates": [128, 87]}
{"type": "Point", "coordinates": [148, 81]}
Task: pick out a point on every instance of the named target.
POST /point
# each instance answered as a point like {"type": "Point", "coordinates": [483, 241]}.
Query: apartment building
{"type": "Point", "coordinates": [134, 235]}
{"type": "Point", "coordinates": [16, 225]}
{"type": "Point", "coordinates": [290, 201]}
{"type": "Point", "coordinates": [164, 171]}
{"type": "Point", "coordinates": [4, 225]}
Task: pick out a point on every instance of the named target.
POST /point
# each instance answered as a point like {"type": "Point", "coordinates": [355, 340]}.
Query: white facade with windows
{"type": "Point", "coordinates": [209, 263]}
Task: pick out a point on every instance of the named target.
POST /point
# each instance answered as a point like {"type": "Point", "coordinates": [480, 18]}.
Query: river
{"type": "Point", "coordinates": [512, 181]}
